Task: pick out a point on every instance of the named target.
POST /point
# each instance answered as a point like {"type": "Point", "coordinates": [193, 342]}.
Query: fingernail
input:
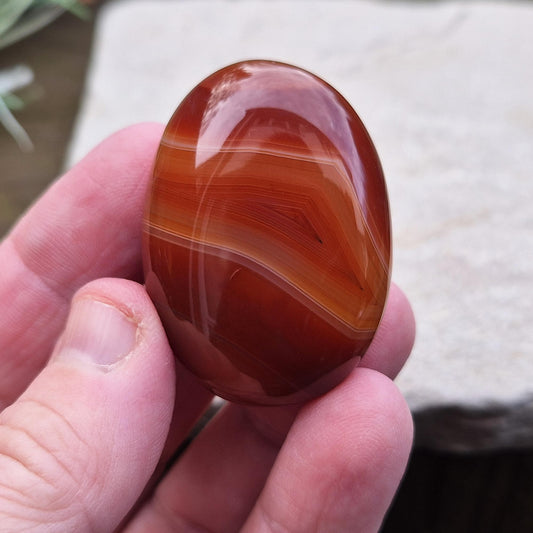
{"type": "Point", "coordinates": [97, 332]}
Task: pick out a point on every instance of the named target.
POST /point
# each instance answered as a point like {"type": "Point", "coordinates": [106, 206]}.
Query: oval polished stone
{"type": "Point", "coordinates": [267, 242]}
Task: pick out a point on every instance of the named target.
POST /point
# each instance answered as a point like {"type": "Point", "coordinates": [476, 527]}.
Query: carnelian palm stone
{"type": "Point", "coordinates": [267, 243]}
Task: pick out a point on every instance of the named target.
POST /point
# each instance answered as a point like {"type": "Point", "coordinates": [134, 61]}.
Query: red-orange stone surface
{"type": "Point", "coordinates": [267, 234]}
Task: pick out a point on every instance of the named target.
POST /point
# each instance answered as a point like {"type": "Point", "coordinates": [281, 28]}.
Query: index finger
{"type": "Point", "coordinates": [86, 226]}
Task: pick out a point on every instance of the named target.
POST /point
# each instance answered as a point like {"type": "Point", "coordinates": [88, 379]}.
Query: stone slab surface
{"type": "Point", "coordinates": [445, 90]}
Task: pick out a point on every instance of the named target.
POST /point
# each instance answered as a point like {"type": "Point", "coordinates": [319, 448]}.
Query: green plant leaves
{"type": "Point", "coordinates": [11, 11]}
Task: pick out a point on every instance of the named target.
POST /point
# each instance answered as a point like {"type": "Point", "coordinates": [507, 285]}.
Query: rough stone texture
{"type": "Point", "coordinates": [445, 90]}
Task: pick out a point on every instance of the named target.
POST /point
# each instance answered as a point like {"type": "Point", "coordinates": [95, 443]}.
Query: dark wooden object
{"type": "Point", "coordinates": [465, 493]}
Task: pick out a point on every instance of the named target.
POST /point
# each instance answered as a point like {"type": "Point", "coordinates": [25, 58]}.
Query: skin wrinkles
{"type": "Point", "coordinates": [35, 453]}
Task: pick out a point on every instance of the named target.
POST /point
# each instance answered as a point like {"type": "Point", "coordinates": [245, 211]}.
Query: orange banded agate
{"type": "Point", "coordinates": [267, 242]}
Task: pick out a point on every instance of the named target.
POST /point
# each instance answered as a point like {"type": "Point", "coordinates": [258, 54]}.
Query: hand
{"type": "Point", "coordinates": [92, 412]}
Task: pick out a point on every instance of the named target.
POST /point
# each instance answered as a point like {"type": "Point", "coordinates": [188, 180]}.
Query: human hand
{"type": "Point", "coordinates": [92, 413]}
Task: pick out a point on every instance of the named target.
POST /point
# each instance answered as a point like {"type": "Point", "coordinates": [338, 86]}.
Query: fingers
{"type": "Point", "coordinates": [218, 479]}
{"type": "Point", "coordinates": [86, 226]}
{"type": "Point", "coordinates": [337, 470]}
{"type": "Point", "coordinates": [225, 468]}
{"type": "Point", "coordinates": [394, 337]}
{"type": "Point", "coordinates": [77, 448]}
{"type": "Point", "coordinates": [341, 462]}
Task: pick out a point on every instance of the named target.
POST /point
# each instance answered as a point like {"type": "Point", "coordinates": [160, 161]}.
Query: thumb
{"type": "Point", "coordinates": [78, 447]}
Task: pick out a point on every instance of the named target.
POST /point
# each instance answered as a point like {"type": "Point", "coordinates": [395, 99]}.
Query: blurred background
{"type": "Point", "coordinates": [445, 91]}
{"type": "Point", "coordinates": [43, 60]}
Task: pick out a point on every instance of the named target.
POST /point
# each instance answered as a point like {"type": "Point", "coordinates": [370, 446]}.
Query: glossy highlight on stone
{"type": "Point", "coordinates": [266, 239]}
